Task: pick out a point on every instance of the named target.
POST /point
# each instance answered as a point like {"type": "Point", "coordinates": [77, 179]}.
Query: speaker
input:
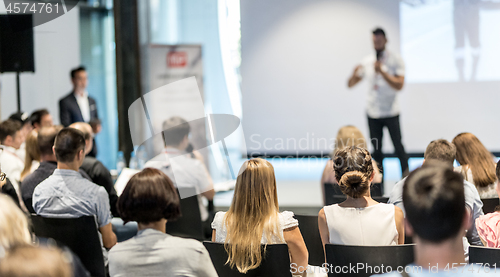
{"type": "Point", "coordinates": [16, 43]}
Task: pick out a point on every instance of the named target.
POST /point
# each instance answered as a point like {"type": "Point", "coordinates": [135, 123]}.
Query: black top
{"type": "Point", "coordinates": [9, 189]}
{"type": "Point", "coordinates": [29, 183]}
{"type": "Point", "coordinates": [100, 175]}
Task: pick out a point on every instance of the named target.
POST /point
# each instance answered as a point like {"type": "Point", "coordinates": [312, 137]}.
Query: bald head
{"type": "Point", "coordinates": [88, 134]}
{"type": "Point", "coordinates": [46, 138]}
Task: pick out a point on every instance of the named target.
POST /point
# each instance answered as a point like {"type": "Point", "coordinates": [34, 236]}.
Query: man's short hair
{"type": "Point", "coordinates": [379, 31]}
{"type": "Point", "coordinates": [68, 143]}
{"type": "Point", "coordinates": [148, 197]}
{"type": "Point", "coordinates": [36, 116]}
{"type": "Point", "coordinates": [46, 139]}
{"type": "Point", "coordinates": [76, 70]}
{"type": "Point", "coordinates": [175, 129]}
{"type": "Point", "coordinates": [433, 197]}
{"type": "Point", "coordinates": [9, 127]}
{"type": "Point", "coordinates": [498, 170]}
{"type": "Point", "coordinates": [441, 150]}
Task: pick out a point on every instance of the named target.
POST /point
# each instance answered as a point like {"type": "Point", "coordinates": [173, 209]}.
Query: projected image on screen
{"type": "Point", "coordinates": [450, 40]}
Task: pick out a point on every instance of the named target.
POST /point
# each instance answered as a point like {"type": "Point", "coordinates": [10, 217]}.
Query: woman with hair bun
{"type": "Point", "coordinates": [359, 220]}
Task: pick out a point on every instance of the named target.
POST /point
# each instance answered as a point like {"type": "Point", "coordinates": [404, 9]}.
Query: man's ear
{"type": "Point", "coordinates": [467, 220]}
{"type": "Point", "coordinates": [408, 228]}
{"type": "Point", "coordinates": [54, 150]}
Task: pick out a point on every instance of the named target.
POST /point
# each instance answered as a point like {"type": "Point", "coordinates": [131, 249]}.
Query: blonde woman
{"type": "Point", "coordinates": [254, 219]}
{"type": "Point", "coordinates": [32, 160]}
{"type": "Point", "coordinates": [347, 136]}
{"type": "Point", "coordinates": [359, 220]}
{"type": "Point", "coordinates": [477, 164]}
{"type": "Point", "coordinates": [13, 224]}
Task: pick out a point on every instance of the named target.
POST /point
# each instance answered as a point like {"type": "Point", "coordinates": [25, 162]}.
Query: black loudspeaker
{"type": "Point", "coordinates": [16, 43]}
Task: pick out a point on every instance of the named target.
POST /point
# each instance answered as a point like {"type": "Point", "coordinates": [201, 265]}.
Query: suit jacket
{"type": "Point", "coordinates": [69, 111]}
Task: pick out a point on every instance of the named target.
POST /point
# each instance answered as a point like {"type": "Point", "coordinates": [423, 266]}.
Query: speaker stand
{"type": "Point", "coordinates": [18, 84]}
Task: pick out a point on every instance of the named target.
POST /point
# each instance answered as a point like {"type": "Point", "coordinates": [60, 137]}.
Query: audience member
{"type": "Point", "coordinates": [477, 164]}
{"type": "Point", "coordinates": [32, 159]}
{"type": "Point", "coordinates": [98, 173]}
{"type": "Point", "coordinates": [11, 140]}
{"type": "Point", "coordinates": [488, 225]}
{"type": "Point", "coordinates": [359, 220]}
{"type": "Point", "coordinates": [66, 193]}
{"type": "Point", "coordinates": [48, 163]}
{"type": "Point", "coordinates": [254, 219]}
{"type": "Point", "coordinates": [13, 224]}
{"type": "Point", "coordinates": [7, 188]}
{"type": "Point", "coordinates": [23, 119]}
{"type": "Point", "coordinates": [347, 136]}
{"type": "Point", "coordinates": [444, 151]}
{"type": "Point", "coordinates": [437, 219]}
{"type": "Point", "coordinates": [150, 199]}
{"type": "Point", "coordinates": [41, 261]}
{"type": "Point", "coordinates": [189, 172]}
{"type": "Point", "coordinates": [41, 118]}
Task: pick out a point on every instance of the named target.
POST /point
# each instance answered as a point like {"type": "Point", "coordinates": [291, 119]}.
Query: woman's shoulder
{"type": "Point", "coordinates": [218, 219]}
{"type": "Point", "coordinates": [287, 220]}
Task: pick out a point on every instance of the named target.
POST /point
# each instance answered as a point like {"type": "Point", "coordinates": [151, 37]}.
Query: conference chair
{"type": "Point", "coordinates": [79, 234]}
{"type": "Point", "coordinates": [308, 225]}
{"type": "Point", "coordinates": [484, 255]}
{"type": "Point", "coordinates": [353, 260]}
{"type": "Point", "coordinates": [189, 225]}
{"type": "Point", "coordinates": [489, 204]}
{"type": "Point", "coordinates": [275, 262]}
{"type": "Point", "coordinates": [333, 194]}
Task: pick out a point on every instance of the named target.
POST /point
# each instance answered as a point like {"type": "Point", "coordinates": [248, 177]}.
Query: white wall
{"type": "Point", "coordinates": [57, 51]}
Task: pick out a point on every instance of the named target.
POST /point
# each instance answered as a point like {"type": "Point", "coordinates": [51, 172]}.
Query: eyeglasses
{"type": "Point", "coordinates": [2, 176]}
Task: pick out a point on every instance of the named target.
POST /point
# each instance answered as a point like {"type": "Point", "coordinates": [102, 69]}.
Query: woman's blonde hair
{"type": "Point", "coordinates": [32, 153]}
{"type": "Point", "coordinates": [253, 213]}
{"type": "Point", "coordinates": [13, 224]}
{"type": "Point", "coordinates": [349, 136]}
{"type": "Point", "coordinates": [472, 153]}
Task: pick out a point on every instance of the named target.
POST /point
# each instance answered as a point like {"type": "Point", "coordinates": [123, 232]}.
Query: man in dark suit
{"type": "Point", "coordinates": [78, 106]}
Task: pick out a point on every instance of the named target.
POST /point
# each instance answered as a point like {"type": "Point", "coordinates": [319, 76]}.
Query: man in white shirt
{"type": "Point", "coordinates": [385, 71]}
{"type": "Point", "coordinates": [11, 139]}
{"type": "Point", "coordinates": [182, 167]}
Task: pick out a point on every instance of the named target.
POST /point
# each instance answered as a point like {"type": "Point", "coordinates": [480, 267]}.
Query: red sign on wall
{"type": "Point", "coordinates": [176, 59]}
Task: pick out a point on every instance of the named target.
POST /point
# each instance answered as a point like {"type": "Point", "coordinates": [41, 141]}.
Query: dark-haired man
{"type": "Point", "coordinates": [78, 106]}
{"type": "Point", "coordinates": [181, 168]}
{"type": "Point", "coordinates": [437, 219]}
{"type": "Point", "coordinates": [385, 71]}
{"type": "Point", "coordinates": [48, 163]}
{"type": "Point", "coordinates": [66, 193]}
{"type": "Point", "coordinates": [11, 139]}
{"type": "Point", "coordinates": [41, 118]}
{"type": "Point", "coordinates": [444, 151]}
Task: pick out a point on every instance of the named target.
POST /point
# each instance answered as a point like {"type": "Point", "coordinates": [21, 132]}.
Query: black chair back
{"type": "Point", "coordinates": [308, 225]}
{"type": "Point", "coordinates": [276, 261]}
{"type": "Point", "coordinates": [484, 255]}
{"type": "Point", "coordinates": [333, 194]}
{"type": "Point", "coordinates": [79, 234]}
{"type": "Point", "coordinates": [489, 204]}
{"type": "Point", "coordinates": [189, 224]}
{"type": "Point", "coordinates": [370, 257]}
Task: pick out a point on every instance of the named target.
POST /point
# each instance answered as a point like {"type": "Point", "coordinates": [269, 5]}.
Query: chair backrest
{"type": "Point", "coordinates": [79, 234]}
{"type": "Point", "coordinates": [484, 255]}
{"type": "Point", "coordinates": [367, 260]}
{"type": "Point", "coordinates": [189, 224]}
{"type": "Point", "coordinates": [308, 225]}
{"type": "Point", "coordinates": [276, 261]}
{"type": "Point", "coordinates": [333, 194]}
{"type": "Point", "coordinates": [489, 204]}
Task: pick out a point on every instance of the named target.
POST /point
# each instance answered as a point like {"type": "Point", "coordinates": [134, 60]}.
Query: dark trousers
{"type": "Point", "coordinates": [376, 126]}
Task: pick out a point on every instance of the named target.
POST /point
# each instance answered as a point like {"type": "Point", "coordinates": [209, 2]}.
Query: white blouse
{"type": "Point", "coordinates": [373, 226]}
{"type": "Point", "coordinates": [286, 221]}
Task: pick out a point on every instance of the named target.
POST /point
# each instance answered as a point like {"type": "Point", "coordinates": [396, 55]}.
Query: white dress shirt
{"type": "Point", "coordinates": [83, 103]}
